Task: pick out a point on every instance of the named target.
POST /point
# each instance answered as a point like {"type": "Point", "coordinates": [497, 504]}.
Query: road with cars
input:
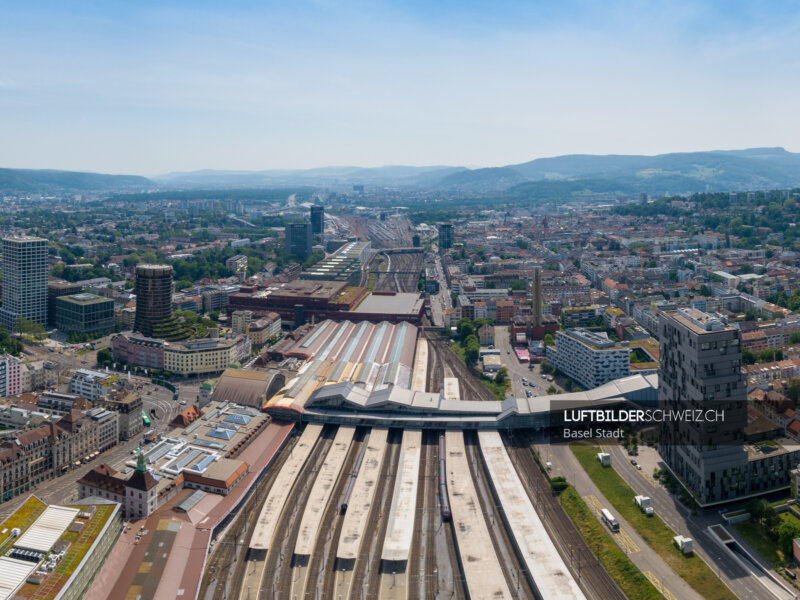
{"type": "Point", "coordinates": [524, 379]}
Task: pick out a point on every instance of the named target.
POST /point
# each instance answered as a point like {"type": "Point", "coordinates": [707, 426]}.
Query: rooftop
{"type": "Point", "coordinates": [699, 321]}
{"type": "Point", "coordinates": [395, 304]}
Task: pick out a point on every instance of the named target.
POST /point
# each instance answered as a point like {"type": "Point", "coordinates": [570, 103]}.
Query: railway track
{"type": "Point", "coordinates": [584, 566]}
{"type": "Point", "coordinates": [434, 369]}
{"type": "Point", "coordinates": [470, 387]}
{"type": "Point", "coordinates": [321, 569]}
{"type": "Point", "coordinates": [417, 559]}
{"type": "Point", "coordinates": [366, 576]}
{"type": "Point", "coordinates": [402, 274]}
{"type": "Point", "coordinates": [279, 557]}
{"type": "Point", "coordinates": [513, 568]}
{"type": "Point", "coordinates": [226, 551]}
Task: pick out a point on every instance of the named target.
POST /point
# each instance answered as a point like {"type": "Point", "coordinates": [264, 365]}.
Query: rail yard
{"type": "Point", "coordinates": [392, 512]}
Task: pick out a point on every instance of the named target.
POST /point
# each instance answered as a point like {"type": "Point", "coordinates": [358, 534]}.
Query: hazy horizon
{"type": "Point", "coordinates": [155, 88]}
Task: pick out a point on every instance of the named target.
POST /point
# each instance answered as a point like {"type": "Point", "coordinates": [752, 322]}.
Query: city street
{"type": "Point", "coordinates": [630, 542]}
{"type": "Point", "coordinates": [518, 370]}
{"type": "Point", "coordinates": [679, 519]}
{"type": "Point", "coordinates": [62, 490]}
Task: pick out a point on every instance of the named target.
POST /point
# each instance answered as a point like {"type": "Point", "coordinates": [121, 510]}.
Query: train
{"type": "Point", "coordinates": [444, 497]}
{"type": "Point", "coordinates": [352, 481]}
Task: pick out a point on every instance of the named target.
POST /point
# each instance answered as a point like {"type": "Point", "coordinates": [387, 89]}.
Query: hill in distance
{"type": "Point", "coordinates": [49, 181]}
{"type": "Point", "coordinates": [558, 178]}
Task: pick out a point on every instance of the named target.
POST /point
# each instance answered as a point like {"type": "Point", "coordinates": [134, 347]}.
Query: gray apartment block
{"type": "Point", "coordinates": [24, 280]}
{"type": "Point", "coordinates": [701, 359]}
{"type": "Point", "coordinates": [589, 358]}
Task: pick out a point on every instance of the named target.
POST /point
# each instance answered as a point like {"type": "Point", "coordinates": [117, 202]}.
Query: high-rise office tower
{"type": "Point", "coordinates": [536, 309]}
{"type": "Point", "coordinates": [317, 219]}
{"type": "Point", "coordinates": [700, 370]}
{"type": "Point", "coordinates": [24, 280]}
{"type": "Point", "coordinates": [298, 239]}
{"type": "Point", "coordinates": [154, 316]}
{"type": "Point", "coordinates": [445, 236]}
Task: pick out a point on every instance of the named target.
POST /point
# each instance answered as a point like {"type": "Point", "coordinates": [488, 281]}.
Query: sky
{"type": "Point", "coordinates": [154, 87]}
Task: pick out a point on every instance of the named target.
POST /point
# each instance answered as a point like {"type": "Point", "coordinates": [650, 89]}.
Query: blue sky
{"type": "Point", "coordinates": [152, 87]}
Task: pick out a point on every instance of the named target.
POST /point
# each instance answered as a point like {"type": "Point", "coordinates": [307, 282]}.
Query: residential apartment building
{"type": "Point", "coordinates": [91, 384]}
{"type": "Point", "coordinates": [10, 375]}
{"type": "Point", "coordinates": [128, 404]}
{"type": "Point", "coordinates": [588, 357]}
{"type": "Point", "coordinates": [107, 422]}
{"type": "Point", "coordinates": [701, 369]}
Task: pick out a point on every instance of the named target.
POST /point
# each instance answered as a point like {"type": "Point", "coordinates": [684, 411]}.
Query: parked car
{"type": "Point", "coordinates": [633, 462]}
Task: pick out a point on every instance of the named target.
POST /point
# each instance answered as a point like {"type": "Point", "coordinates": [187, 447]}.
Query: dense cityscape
{"type": "Point", "coordinates": [399, 300]}
{"type": "Point", "coordinates": [330, 392]}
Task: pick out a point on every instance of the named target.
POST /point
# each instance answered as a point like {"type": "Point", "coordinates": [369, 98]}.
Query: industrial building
{"type": "Point", "coordinates": [298, 301]}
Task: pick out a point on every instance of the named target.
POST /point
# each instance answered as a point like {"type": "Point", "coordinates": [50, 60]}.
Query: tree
{"type": "Point", "coordinates": [748, 357]}
{"type": "Point", "coordinates": [28, 327]}
{"type": "Point", "coordinates": [769, 355]}
{"type": "Point", "coordinates": [502, 376]}
{"type": "Point", "coordinates": [794, 338]}
{"type": "Point", "coordinates": [472, 348]}
{"type": "Point", "coordinates": [104, 357]}
{"type": "Point", "coordinates": [787, 532]}
{"type": "Point", "coordinates": [552, 390]}
{"type": "Point", "coordinates": [757, 509]}
{"type": "Point", "coordinates": [150, 257]}
{"type": "Point", "coordinates": [549, 340]}
{"type": "Point", "coordinates": [793, 390]}
{"type": "Point", "coordinates": [465, 329]}
{"type": "Point", "coordinates": [131, 260]}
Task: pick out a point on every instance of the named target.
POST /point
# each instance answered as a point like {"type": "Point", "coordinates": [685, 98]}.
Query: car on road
{"type": "Point", "coordinates": [183, 402]}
